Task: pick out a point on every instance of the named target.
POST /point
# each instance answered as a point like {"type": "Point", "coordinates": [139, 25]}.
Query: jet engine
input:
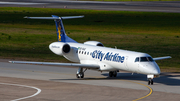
{"type": "Point", "coordinates": [60, 48]}
{"type": "Point", "coordinates": [94, 43]}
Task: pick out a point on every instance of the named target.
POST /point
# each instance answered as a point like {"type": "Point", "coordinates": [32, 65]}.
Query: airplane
{"type": "Point", "coordinates": [94, 55]}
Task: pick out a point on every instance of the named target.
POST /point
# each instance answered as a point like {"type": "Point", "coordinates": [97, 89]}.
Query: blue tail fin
{"type": "Point", "coordinates": [61, 34]}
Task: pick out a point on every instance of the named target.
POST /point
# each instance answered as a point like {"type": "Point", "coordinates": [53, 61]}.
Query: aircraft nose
{"type": "Point", "coordinates": [156, 71]}
{"type": "Point", "coordinates": [154, 68]}
{"type": "Point", "coordinates": [151, 68]}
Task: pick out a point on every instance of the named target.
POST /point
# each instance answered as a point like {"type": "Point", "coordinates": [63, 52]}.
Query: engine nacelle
{"type": "Point", "coordinates": [60, 48]}
{"type": "Point", "coordinates": [94, 43]}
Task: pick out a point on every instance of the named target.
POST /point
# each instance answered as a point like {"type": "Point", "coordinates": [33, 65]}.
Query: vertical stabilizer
{"type": "Point", "coordinates": [60, 29]}
{"type": "Point", "coordinates": [61, 34]}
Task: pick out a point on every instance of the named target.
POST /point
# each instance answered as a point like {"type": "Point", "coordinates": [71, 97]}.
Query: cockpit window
{"type": "Point", "coordinates": [137, 59]}
{"type": "Point", "coordinates": [143, 59]}
{"type": "Point", "coordinates": [146, 59]}
{"type": "Point", "coordinates": [150, 59]}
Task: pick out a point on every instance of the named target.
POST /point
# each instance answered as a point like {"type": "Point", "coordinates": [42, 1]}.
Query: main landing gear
{"type": "Point", "coordinates": [112, 73]}
{"type": "Point", "coordinates": [80, 73]}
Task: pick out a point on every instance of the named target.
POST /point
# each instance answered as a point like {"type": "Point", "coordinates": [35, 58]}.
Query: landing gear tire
{"type": "Point", "coordinates": [150, 81]}
{"type": "Point", "coordinates": [80, 75]}
{"type": "Point", "coordinates": [77, 75]}
{"type": "Point", "coordinates": [113, 73]}
{"type": "Point", "coordinates": [110, 74]}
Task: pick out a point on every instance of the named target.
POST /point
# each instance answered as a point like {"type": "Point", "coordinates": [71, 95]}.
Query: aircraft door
{"type": "Point", "coordinates": [136, 64]}
{"type": "Point", "coordinates": [126, 63]}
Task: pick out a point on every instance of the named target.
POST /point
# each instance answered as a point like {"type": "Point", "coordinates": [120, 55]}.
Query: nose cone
{"type": "Point", "coordinates": [150, 68]}
{"type": "Point", "coordinates": [156, 71]}
{"type": "Point", "coordinates": [154, 68]}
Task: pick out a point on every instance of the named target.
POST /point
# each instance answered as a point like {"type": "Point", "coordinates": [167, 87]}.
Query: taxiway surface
{"type": "Point", "coordinates": [170, 6]}
{"type": "Point", "coordinates": [168, 85]}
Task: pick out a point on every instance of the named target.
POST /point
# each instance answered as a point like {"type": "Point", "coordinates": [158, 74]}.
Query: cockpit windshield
{"type": "Point", "coordinates": [150, 58]}
{"type": "Point", "coordinates": [144, 59]}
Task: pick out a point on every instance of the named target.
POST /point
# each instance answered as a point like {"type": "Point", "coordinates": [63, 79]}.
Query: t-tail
{"type": "Point", "coordinates": [61, 34]}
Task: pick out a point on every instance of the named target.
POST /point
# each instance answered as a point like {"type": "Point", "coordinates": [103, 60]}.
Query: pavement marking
{"type": "Point", "coordinates": [38, 90]}
{"type": "Point", "coordinates": [150, 90]}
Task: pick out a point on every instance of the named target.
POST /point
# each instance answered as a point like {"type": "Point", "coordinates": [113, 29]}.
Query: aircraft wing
{"type": "Point", "coordinates": [89, 66]}
{"type": "Point", "coordinates": [161, 58]}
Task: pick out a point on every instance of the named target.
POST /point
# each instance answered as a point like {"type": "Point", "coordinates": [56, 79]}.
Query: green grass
{"type": "Point", "coordinates": [157, 34]}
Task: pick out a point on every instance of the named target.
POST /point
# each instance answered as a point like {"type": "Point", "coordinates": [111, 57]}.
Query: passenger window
{"type": "Point", "coordinates": [85, 53]}
{"type": "Point", "coordinates": [137, 59]}
{"type": "Point", "coordinates": [79, 52]}
{"type": "Point", "coordinates": [88, 53]}
{"type": "Point", "coordinates": [82, 52]}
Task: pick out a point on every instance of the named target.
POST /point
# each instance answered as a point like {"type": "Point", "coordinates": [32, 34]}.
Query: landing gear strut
{"type": "Point", "coordinates": [80, 73]}
{"type": "Point", "coordinates": [112, 73]}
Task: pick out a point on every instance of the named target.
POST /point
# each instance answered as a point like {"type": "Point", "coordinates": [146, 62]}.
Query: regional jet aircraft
{"type": "Point", "coordinates": [95, 56]}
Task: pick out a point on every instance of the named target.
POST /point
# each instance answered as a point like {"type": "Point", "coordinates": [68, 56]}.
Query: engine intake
{"type": "Point", "coordinates": [66, 48]}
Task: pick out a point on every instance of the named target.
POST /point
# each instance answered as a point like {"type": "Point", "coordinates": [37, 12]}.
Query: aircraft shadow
{"type": "Point", "coordinates": [163, 79]}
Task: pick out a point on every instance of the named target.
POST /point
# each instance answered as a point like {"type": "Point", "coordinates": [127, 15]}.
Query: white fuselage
{"type": "Point", "coordinates": [109, 59]}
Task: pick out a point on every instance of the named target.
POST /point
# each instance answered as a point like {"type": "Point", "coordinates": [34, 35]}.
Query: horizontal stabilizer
{"type": "Point", "coordinates": [72, 17]}
{"type": "Point", "coordinates": [161, 58]}
{"type": "Point", "coordinates": [89, 66]}
{"type": "Point", "coordinates": [54, 17]}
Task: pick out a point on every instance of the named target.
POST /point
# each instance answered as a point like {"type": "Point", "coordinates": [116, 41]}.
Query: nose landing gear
{"type": "Point", "coordinates": [150, 79]}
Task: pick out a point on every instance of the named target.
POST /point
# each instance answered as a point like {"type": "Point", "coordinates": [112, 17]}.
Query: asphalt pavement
{"type": "Point", "coordinates": [131, 87]}
{"type": "Point", "coordinates": [158, 6]}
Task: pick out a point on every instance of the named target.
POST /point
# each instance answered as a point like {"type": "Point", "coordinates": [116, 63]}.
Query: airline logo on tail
{"type": "Point", "coordinates": [59, 32]}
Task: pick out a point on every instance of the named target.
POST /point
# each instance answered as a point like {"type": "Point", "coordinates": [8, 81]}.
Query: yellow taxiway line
{"type": "Point", "coordinates": [150, 90]}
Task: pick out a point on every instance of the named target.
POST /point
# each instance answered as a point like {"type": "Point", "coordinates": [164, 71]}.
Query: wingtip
{"type": "Point", "coordinates": [82, 15]}
{"type": "Point", "coordinates": [26, 17]}
{"type": "Point", "coordinates": [11, 61]}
